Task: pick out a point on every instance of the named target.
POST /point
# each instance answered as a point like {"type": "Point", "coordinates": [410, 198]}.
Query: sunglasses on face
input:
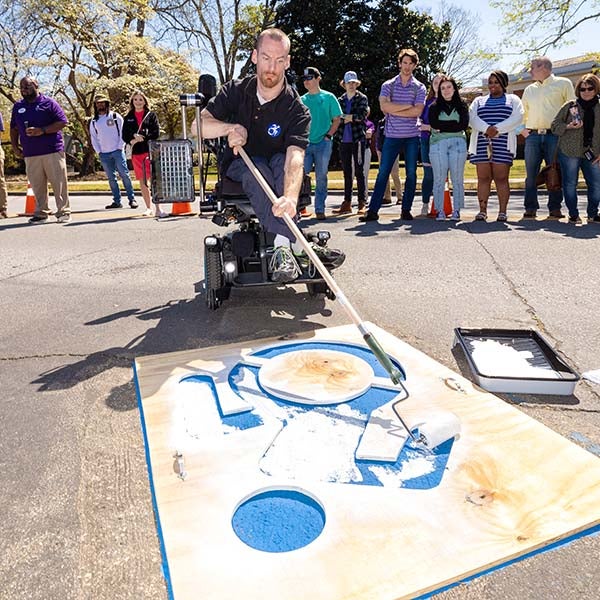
{"type": "Point", "coordinates": [587, 89]}
{"type": "Point", "coordinates": [308, 77]}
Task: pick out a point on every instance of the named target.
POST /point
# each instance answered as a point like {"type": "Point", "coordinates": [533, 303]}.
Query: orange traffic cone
{"type": "Point", "coordinates": [181, 208]}
{"type": "Point", "coordinates": [447, 203]}
{"type": "Point", "coordinates": [30, 202]}
{"type": "Point", "coordinates": [447, 200]}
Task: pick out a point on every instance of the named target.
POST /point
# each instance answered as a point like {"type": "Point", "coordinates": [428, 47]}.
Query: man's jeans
{"type": "Point", "coordinates": [569, 167]}
{"type": "Point", "coordinates": [448, 154]}
{"type": "Point", "coordinates": [391, 149]}
{"type": "Point", "coordinates": [113, 163]}
{"type": "Point", "coordinates": [319, 155]}
{"type": "Point", "coordinates": [538, 147]}
{"type": "Point", "coordinates": [272, 171]}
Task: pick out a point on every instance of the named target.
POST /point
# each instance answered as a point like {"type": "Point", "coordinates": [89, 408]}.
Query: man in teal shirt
{"type": "Point", "coordinates": [325, 114]}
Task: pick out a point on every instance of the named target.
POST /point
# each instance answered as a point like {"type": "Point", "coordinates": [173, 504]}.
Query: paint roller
{"type": "Point", "coordinates": [437, 429]}
{"type": "Point", "coordinates": [396, 375]}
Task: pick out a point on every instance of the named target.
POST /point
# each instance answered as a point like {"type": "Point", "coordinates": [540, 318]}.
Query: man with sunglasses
{"type": "Point", "coordinates": [325, 114]}
{"type": "Point", "coordinates": [541, 101]}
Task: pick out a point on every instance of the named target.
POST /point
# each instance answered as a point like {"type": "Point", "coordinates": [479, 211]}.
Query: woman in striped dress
{"type": "Point", "coordinates": [495, 121]}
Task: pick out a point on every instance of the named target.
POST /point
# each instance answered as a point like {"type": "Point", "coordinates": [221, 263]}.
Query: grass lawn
{"type": "Point", "coordinates": [336, 180]}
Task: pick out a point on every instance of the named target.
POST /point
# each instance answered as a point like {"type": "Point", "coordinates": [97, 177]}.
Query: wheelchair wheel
{"type": "Point", "coordinates": [213, 276]}
{"type": "Point", "coordinates": [315, 290]}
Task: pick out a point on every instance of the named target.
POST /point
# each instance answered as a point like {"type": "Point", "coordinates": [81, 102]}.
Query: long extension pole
{"type": "Point", "coordinates": [395, 374]}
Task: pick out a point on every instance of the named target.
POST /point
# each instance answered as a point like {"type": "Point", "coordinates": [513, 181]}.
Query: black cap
{"type": "Point", "coordinates": [310, 72]}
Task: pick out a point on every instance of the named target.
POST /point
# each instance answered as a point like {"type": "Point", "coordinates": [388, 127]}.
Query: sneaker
{"type": "Point", "coordinates": [441, 216]}
{"type": "Point", "coordinates": [576, 219]}
{"type": "Point", "coordinates": [64, 218]}
{"type": "Point", "coordinates": [595, 219]}
{"type": "Point", "coordinates": [320, 216]}
{"type": "Point", "coordinates": [283, 266]}
{"type": "Point", "coordinates": [369, 216]}
{"type": "Point", "coordinates": [330, 257]}
{"type": "Point", "coordinates": [114, 205]}
{"type": "Point", "coordinates": [305, 213]}
{"type": "Point", "coordinates": [147, 213]}
{"type": "Point", "coordinates": [424, 209]}
{"type": "Point", "coordinates": [406, 216]}
{"type": "Point", "coordinates": [455, 216]}
{"type": "Point", "coordinates": [161, 214]}
{"type": "Point", "coordinates": [38, 220]}
{"type": "Point", "coordinates": [133, 204]}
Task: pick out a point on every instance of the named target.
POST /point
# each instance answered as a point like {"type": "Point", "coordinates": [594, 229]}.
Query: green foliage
{"type": "Point", "coordinates": [535, 26]}
{"type": "Point", "coordinates": [336, 36]}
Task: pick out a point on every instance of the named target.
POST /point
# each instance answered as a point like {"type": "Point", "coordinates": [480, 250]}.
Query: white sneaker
{"type": "Point", "coordinates": [147, 213]}
{"type": "Point", "coordinates": [65, 218]}
{"type": "Point", "coordinates": [455, 216]}
{"type": "Point", "coordinates": [424, 209]}
{"type": "Point", "coordinates": [161, 214]}
{"type": "Point", "coordinates": [283, 265]}
{"type": "Point", "coordinates": [441, 216]}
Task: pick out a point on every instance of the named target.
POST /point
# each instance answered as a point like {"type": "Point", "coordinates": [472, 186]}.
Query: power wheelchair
{"type": "Point", "coordinates": [242, 258]}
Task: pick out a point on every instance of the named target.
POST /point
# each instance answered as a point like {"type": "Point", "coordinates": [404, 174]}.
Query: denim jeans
{"type": "Point", "coordinates": [449, 154]}
{"type": "Point", "coordinates": [391, 149]}
{"type": "Point", "coordinates": [272, 171]}
{"type": "Point", "coordinates": [113, 163]}
{"type": "Point", "coordinates": [569, 167]}
{"type": "Point", "coordinates": [319, 155]}
{"type": "Point", "coordinates": [538, 147]}
{"type": "Point", "coordinates": [427, 183]}
{"type": "Point", "coordinates": [352, 155]}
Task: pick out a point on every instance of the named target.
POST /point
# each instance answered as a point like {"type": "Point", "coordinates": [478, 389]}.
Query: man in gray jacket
{"type": "Point", "coordinates": [105, 132]}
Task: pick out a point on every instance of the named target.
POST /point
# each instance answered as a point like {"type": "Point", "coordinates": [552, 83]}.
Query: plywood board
{"type": "Point", "coordinates": [506, 487]}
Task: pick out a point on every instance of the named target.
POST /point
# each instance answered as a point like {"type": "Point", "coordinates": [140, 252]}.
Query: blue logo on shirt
{"type": "Point", "coordinates": [274, 130]}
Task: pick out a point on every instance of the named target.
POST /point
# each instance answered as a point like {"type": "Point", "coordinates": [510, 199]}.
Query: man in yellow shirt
{"type": "Point", "coordinates": [542, 101]}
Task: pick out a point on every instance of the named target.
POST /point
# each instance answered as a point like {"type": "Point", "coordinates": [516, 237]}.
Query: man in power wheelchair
{"type": "Point", "coordinates": [262, 113]}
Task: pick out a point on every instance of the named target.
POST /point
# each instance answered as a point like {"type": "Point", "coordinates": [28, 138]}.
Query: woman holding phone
{"type": "Point", "coordinates": [577, 126]}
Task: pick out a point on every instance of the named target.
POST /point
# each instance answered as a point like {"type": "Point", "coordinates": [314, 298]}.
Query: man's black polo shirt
{"type": "Point", "coordinates": [272, 127]}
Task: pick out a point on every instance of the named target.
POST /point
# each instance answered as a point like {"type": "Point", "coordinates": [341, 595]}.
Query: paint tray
{"type": "Point", "coordinates": [515, 360]}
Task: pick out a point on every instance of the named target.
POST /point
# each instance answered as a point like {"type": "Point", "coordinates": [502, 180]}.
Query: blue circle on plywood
{"type": "Point", "coordinates": [278, 520]}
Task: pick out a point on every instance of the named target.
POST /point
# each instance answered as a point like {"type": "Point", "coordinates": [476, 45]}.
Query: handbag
{"type": "Point", "coordinates": [550, 175]}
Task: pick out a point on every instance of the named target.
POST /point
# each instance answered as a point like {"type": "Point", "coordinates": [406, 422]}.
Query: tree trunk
{"type": "Point", "coordinates": [88, 162]}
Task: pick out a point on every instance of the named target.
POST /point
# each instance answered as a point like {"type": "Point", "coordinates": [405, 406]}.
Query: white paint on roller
{"type": "Point", "coordinates": [495, 359]}
{"type": "Point", "coordinates": [438, 428]}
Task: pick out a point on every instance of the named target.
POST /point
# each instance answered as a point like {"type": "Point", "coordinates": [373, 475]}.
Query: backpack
{"type": "Point", "coordinates": [114, 116]}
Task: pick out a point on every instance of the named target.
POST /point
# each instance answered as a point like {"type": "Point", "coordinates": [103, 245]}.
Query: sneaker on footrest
{"type": "Point", "coordinates": [283, 265]}
{"type": "Point", "coordinates": [330, 257]}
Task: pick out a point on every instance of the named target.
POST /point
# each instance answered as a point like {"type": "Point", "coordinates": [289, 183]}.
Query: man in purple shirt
{"type": "Point", "coordinates": [3, 190]}
{"type": "Point", "coordinates": [36, 122]}
{"type": "Point", "coordinates": [402, 99]}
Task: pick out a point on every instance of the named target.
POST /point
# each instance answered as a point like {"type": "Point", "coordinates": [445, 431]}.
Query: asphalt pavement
{"type": "Point", "coordinates": [80, 301]}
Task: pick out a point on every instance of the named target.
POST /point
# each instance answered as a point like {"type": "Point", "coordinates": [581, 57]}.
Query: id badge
{"type": "Point", "coordinates": [110, 122]}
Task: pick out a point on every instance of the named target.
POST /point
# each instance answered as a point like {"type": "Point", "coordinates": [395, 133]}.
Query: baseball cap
{"type": "Point", "coordinates": [350, 76]}
{"type": "Point", "coordinates": [310, 72]}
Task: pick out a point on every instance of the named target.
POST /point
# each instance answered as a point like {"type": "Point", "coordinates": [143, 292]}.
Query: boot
{"type": "Point", "coordinates": [362, 207]}
{"type": "Point", "coordinates": [344, 208]}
